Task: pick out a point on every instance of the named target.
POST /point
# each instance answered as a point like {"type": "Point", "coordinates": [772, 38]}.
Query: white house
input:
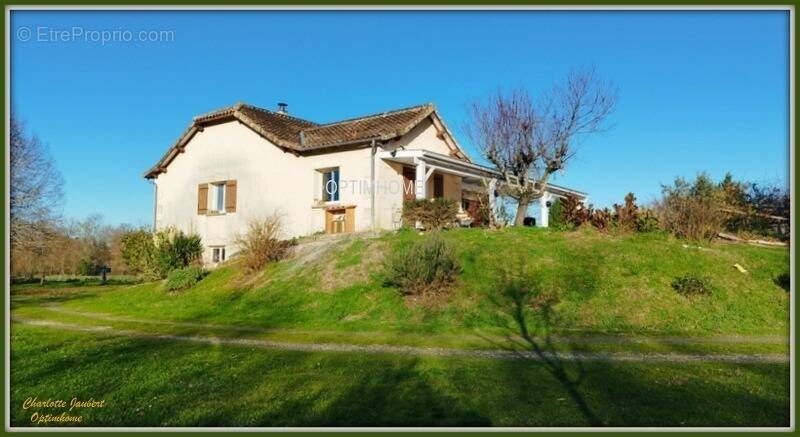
{"type": "Point", "coordinates": [243, 162]}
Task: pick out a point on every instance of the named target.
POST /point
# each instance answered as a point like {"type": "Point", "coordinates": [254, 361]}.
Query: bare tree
{"type": "Point", "coordinates": [35, 191]}
{"type": "Point", "coordinates": [528, 140]}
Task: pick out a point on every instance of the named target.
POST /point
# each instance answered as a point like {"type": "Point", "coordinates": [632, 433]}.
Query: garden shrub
{"type": "Point", "coordinates": [756, 209]}
{"type": "Point", "coordinates": [555, 216]}
{"type": "Point", "coordinates": [175, 250]}
{"type": "Point", "coordinates": [181, 279]}
{"type": "Point", "coordinates": [574, 212]}
{"type": "Point", "coordinates": [261, 244]}
{"type": "Point", "coordinates": [154, 255]}
{"type": "Point", "coordinates": [625, 215]}
{"type": "Point", "coordinates": [646, 221]}
{"type": "Point", "coordinates": [480, 211]}
{"type": "Point", "coordinates": [86, 267]}
{"type": "Point", "coordinates": [434, 214]}
{"type": "Point", "coordinates": [696, 210]}
{"type": "Point", "coordinates": [570, 212]}
{"type": "Point", "coordinates": [137, 248]}
{"type": "Point", "coordinates": [426, 267]}
{"type": "Point", "coordinates": [690, 285]}
{"type": "Point", "coordinates": [600, 218]}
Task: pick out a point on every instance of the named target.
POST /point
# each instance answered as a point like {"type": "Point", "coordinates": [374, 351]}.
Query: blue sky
{"type": "Point", "coordinates": [698, 90]}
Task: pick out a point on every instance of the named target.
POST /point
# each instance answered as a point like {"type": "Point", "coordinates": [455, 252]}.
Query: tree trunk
{"type": "Point", "coordinates": [522, 211]}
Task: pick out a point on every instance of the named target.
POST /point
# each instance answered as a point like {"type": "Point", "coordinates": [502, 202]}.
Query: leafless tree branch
{"type": "Point", "coordinates": [532, 139]}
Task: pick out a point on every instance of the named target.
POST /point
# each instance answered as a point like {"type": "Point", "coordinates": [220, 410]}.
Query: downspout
{"type": "Point", "coordinates": [155, 202]}
{"type": "Point", "coordinates": [372, 184]}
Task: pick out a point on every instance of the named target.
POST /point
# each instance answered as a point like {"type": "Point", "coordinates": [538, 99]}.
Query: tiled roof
{"type": "Point", "coordinates": [383, 126]}
{"type": "Point", "coordinates": [298, 135]}
{"type": "Point", "coordinates": [283, 126]}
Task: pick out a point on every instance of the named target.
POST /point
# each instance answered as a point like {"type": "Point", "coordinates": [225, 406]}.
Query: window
{"type": "Point", "coordinates": [330, 185]}
{"type": "Point", "coordinates": [217, 254]}
{"type": "Point", "coordinates": [218, 197]}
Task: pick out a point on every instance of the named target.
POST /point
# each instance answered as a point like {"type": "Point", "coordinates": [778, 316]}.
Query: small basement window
{"type": "Point", "coordinates": [218, 254]}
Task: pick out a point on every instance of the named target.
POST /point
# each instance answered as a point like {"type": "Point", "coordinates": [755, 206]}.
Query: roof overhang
{"type": "Point", "coordinates": [444, 163]}
{"type": "Point", "coordinates": [198, 123]}
{"type": "Point", "coordinates": [468, 170]}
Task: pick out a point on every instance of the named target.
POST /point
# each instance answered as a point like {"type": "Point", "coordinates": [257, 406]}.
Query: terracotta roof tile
{"type": "Point", "coordinates": [283, 126]}
{"type": "Point", "coordinates": [382, 126]}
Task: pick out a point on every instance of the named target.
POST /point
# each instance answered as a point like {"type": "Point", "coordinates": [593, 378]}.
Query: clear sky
{"type": "Point", "coordinates": [698, 90]}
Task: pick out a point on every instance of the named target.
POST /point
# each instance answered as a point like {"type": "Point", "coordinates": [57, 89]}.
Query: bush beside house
{"type": "Point", "coordinates": [155, 254]}
{"type": "Point", "coordinates": [261, 244]}
{"type": "Point", "coordinates": [433, 214]}
{"type": "Point", "coordinates": [181, 279]}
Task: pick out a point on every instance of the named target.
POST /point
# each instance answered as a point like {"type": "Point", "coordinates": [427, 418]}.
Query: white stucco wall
{"type": "Point", "coordinates": [271, 180]}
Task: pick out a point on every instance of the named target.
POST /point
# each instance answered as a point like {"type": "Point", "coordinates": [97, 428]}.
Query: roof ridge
{"type": "Point", "coordinates": [375, 115]}
{"type": "Point", "coordinates": [219, 111]}
{"type": "Point", "coordinates": [257, 108]}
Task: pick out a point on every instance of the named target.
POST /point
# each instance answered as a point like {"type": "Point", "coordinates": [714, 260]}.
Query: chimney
{"type": "Point", "coordinates": [282, 108]}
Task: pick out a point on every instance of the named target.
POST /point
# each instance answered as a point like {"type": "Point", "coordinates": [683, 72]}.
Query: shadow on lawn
{"type": "Point", "coordinates": [396, 394]}
{"type": "Point", "coordinates": [529, 302]}
{"type": "Point", "coordinates": [148, 382]}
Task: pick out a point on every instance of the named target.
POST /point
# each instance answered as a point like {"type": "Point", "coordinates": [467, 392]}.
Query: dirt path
{"type": "Point", "coordinates": [412, 350]}
{"type": "Point", "coordinates": [566, 339]}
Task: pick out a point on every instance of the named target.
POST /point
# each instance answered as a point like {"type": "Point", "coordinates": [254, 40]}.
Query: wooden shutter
{"type": "Point", "coordinates": [230, 196]}
{"type": "Point", "coordinates": [202, 199]}
{"type": "Point", "coordinates": [350, 220]}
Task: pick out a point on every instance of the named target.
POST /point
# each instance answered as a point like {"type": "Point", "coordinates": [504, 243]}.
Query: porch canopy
{"type": "Point", "coordinates": [474, 177]}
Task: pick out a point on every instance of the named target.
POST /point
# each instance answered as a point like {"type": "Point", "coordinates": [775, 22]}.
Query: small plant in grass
{"type": "Point", "coordinates": [784, 281]}
{"type": "Point", "coordinates": [184, 278]}
{"type": "Point", "coordinates": [690, 285]}
{"type": "Point", "coordinates": [426, 267]}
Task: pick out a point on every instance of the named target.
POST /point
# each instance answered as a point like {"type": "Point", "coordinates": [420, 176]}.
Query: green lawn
{"type": "Point", "coordinates": [155, 383]}
{"type": "Point", "coordinates": [616, 286]}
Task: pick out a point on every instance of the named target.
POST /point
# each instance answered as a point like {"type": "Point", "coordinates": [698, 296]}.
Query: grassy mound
{"type": "Point", "coordinates": [594, 282]}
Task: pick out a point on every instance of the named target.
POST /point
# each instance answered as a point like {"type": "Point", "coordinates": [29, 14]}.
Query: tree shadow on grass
{"type": "Point", "coordinates": [528, 302]}
{"type": "Point", "coordinates": [622, 394]}
{"type": "Point", "coordinates": [394, 393]}
{"type": "Point", "coordinates": [149, 382]}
